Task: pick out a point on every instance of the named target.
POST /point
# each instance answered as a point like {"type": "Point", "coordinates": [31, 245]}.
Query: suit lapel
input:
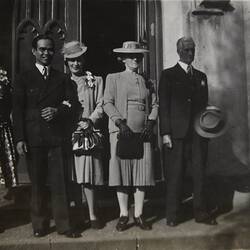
{"type": "Point", "coordinates": [50, 84]}
{"type": "Point", "coordinates": [38, 81]}
{"type": "Point", "coordinates": [180, 72]}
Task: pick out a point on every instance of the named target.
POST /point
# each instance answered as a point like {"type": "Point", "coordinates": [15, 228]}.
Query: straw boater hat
{"type": "Point", "coordinates": [131, 47]}
{"type": "Point", "coordinates": [210, 122]}
{"type": "Point", "coordinates": [73, 49]}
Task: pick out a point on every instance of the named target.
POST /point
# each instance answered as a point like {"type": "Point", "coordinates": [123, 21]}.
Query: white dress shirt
{"type": "Point", "coordinates": [41, 68]}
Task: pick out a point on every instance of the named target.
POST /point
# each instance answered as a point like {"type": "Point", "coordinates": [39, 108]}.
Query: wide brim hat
{"type": "Point", "coordinates": [131, 47]}
{"type": "Point", "coordinates": [73, 49]}
{"type": "Point", "coordinates": [211, 122]}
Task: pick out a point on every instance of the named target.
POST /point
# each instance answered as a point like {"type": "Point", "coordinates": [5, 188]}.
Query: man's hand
{"type": "Point", "coordinates": [48, 113]}
{"type": "Point", "coordinates": [21, 148]}
{"type": "Point", "coordinates": [167, 140]}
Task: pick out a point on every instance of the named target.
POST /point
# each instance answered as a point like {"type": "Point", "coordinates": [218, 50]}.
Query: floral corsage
{"type": "Point", "coordinates": [90, 79]}
{"type": "Point", "coordinates": [3, 77]}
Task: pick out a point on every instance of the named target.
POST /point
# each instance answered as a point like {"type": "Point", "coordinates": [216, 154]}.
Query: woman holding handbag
{"type": "Point", "coordinates": [88, 168]}
{"type": "Point", "coordinates": [132, 109]}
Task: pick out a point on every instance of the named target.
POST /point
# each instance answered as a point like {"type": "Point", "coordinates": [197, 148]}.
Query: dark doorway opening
{"type": "Point", "coordinates": [106, 25]}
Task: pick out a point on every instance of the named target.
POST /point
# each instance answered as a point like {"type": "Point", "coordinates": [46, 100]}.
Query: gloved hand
{"type": "Point", "coordinates": [125, 130]}
{"type": "Point", "coordinates": [86, 125]}
{"type": "Point", "coordinates": [147, 131]}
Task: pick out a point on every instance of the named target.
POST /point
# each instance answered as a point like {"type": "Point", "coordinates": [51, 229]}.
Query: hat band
{"type": "Point", "coordinates": [216, 129]}
{"type": "Point", "coordinates": [73, 50]}
{"type": "Point", "coordinates": [131, 46]}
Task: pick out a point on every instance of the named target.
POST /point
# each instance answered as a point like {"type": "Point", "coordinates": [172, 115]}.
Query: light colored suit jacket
{"type": "Point", "coordinates": [115, 99]}
{"type": "Point", "coordinates": [91, 99]}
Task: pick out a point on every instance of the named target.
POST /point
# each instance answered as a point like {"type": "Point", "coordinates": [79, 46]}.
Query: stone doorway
{"type": "Point", "coordinates": [105, 25]}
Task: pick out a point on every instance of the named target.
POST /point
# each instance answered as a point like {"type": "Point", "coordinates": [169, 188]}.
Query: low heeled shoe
{"type": "Point", "coordinates": [172, 223]}
{"type": "Point", "coordinates": [141, 223]}
{"type": "Point", "coordinates": [122, 223]}
{"type": "Point", "coordinates": [96, 224]}
{"type": "Point", "coordinates": [206, 218]}
{"type": "Point", "coordinates": [39, 233]}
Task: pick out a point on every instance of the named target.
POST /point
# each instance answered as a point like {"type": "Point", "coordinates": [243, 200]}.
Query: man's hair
{"type": "Point", "coordinates": [41, 37]}
{"type": "Point", "coordinates": [183, 39]}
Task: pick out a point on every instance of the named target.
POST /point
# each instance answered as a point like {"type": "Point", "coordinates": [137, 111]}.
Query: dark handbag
{"type": "Point", "coordinates": [130, 147]}
{"type": "Point", "coordinates": [87, 143]}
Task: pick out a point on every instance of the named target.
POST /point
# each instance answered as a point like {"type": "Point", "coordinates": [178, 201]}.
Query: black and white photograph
{"type": "Point", "coordinates": [125, 124]}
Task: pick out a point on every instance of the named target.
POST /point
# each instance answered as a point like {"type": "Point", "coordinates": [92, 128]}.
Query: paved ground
{"type": "Point", "coordinates": [232, 232]}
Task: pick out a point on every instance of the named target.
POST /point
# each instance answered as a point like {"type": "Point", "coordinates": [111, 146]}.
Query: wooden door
{"type": "Point", "coordinates": [149, 33]}
{"type": "Point", "coordinates": [60, 19]}
{"type": "Point", "coordinates": [57, 18]}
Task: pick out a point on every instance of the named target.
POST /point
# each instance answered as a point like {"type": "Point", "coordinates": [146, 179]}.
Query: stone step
{"type": "Point", "coordinates": [231, 233]}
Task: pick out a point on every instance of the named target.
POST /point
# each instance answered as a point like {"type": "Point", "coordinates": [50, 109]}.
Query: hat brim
{"type": "Point", "coordinates": [123, 50]}
{"type": "Point", "coordinates": [77, 54]}
{"type": "Point", "coordinates": [206, 134]}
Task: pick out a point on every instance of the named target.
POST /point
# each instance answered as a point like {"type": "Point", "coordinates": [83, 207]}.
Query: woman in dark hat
{"type": "Point", "coordinates": [132, 109]}
{"type": "Point", "coordinates": [88, 169]}
{"type": "Point", "coordinates": [7, 149]}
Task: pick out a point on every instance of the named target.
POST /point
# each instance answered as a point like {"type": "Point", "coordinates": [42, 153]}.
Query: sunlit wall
{"type": "Point", "coordinates": [223, 53]}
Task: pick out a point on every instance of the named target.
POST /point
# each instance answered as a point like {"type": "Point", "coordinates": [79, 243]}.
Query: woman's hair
{"type": "Point", "coordinates": [82, 58]}
{"type": "Point", "coordinates": [122, 56]}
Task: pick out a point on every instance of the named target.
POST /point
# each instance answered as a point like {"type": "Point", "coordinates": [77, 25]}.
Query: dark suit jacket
{"type": "Point", "coordinates": [180, 97]}
{"type": "Point", "coordinates": [31, 94]}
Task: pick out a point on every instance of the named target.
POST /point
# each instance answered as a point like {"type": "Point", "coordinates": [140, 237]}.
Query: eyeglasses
{"type": "Point", "coordinates": [43, 50]}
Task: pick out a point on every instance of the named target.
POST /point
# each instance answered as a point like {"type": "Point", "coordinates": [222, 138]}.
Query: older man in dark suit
{"type": "Point", "coordinates": [183, 92]}
{"type": "Point", "coordinates": [44, 103]}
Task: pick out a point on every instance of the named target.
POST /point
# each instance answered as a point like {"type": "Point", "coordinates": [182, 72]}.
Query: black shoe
{"type": "Point", "coordinates": [172, 223]}
{"type": "Point", "coordinates": [9, 195]}
{"type": "Point", "coordinates": [39, 233]}
{"type": "Point", "coordinates": [141, 223]}
{"type": "Point", "coordinates": [122, 223]}
{"type": "Point", "coordinates": [72, 234]}
{"type": "Point", "coordinates": [1, 229]}
{"type": "Point", "coordinates": [205, 218]}
{"type": "Point", "coordinates": [96, 224]}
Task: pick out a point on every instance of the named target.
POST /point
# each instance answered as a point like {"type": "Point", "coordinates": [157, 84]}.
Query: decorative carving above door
{"type": "Point", "coordinates": [34, 17]}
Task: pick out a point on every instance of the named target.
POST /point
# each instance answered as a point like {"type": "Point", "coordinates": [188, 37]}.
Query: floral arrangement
{"type": "Point", "coordinates": [3, 77]}
{"type": "Point", "coordinates": [90, 79]}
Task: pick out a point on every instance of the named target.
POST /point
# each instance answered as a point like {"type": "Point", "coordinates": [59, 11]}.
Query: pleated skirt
{"type": "Point", "coordinates": [88, 169]}
{"type": "Point", "coordinates": [135, 172]}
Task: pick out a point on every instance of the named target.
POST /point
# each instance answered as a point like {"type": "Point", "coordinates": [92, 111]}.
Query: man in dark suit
{"type": "Point", "coordinates": [44, 102]}
{"type": "Point", "coordinates": [183, 92]}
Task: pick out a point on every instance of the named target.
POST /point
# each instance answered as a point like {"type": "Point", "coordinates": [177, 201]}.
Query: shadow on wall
{"type": "Point", "coordinates": [220, 53]}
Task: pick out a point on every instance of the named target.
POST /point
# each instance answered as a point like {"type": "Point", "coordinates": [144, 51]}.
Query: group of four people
{"type": "Point", "coordinates": [48, 106]}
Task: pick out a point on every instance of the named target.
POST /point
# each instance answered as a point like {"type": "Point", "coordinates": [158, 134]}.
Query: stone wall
{"type": "Point", "coordinates": [223, 53]}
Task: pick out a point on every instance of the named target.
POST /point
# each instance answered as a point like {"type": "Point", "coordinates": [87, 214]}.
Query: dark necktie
{"type": "Point", "coordinates": [45, 72]}
{"type": "Point", "coordinates": [189, 70]}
